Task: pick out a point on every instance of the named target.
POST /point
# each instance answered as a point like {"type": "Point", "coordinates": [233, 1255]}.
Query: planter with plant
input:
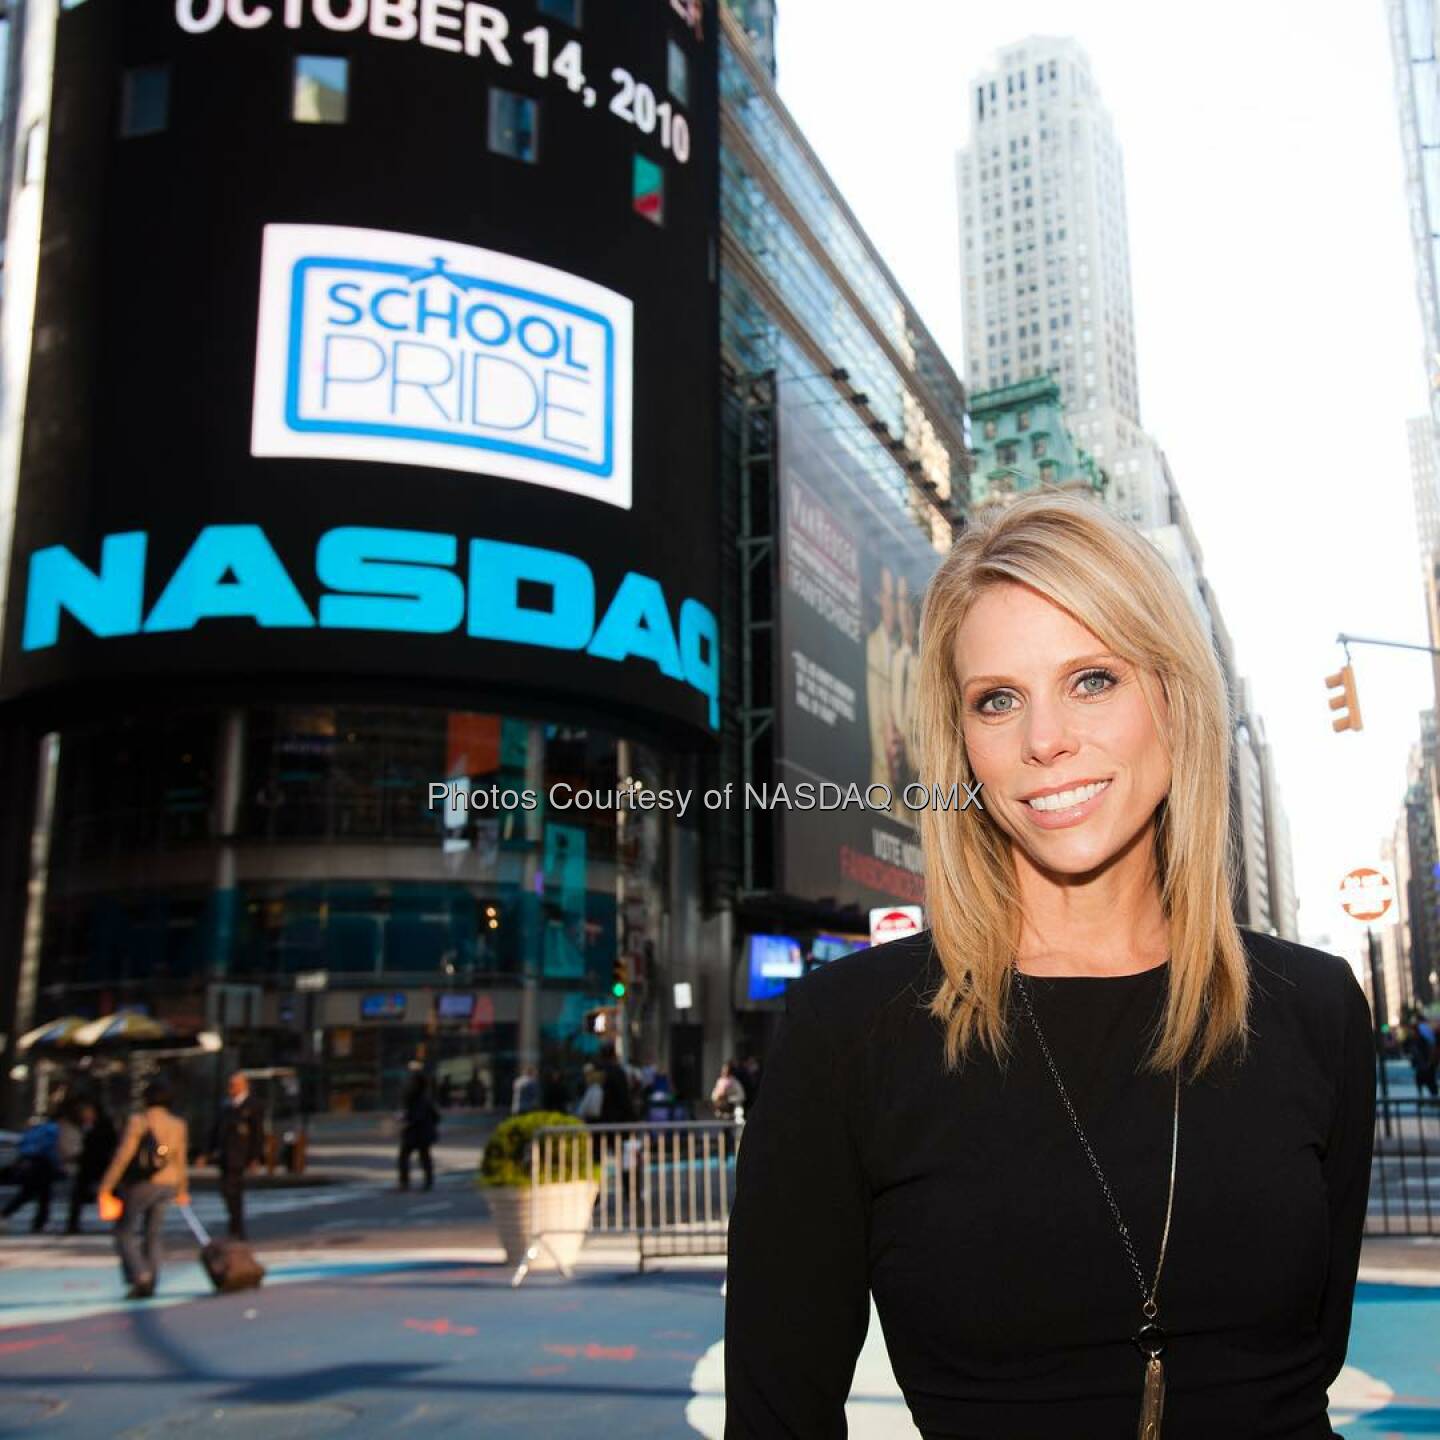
{"type": "Point", "coordinates": [542, 1227]}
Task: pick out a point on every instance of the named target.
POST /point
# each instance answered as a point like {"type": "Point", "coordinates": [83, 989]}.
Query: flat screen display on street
{"type": "Point", "coordinates": [772, 961]}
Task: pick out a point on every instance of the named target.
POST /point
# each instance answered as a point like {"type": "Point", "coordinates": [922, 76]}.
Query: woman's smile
{"type": "Point", "coordinates": [1068, 807]}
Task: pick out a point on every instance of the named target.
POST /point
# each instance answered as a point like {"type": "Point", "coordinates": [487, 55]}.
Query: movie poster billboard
{"type": "Point", "coordinates": [856, 552]}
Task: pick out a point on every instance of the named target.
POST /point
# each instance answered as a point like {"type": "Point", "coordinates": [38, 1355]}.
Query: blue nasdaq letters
{"type": "Point", "coordinates": [380, 579]}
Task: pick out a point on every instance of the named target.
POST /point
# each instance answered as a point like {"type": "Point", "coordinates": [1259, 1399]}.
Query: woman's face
{"type": "Point", "coordinates": [1048, 710]}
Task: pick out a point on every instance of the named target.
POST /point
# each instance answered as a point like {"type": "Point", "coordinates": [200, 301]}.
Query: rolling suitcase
{"type": "Point", "coordinates": [230, 1264]}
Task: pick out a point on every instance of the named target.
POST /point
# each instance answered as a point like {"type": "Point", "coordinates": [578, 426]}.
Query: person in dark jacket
{"type": "Point", "coordinates": [1422, 1051]}
{"type": "Point", "coordinates": [616, 1107]}
{"type": "Point", "coordinates": [237, 1145]}
{"type": "Point", "coordinates": [418, 1128]}
{"type": "Point", "coordinates": [97, 1144]}
{"type": "Point", "coordinates": [37, 1166]}
{"type": "Point", "coordinates": [554, 1093]}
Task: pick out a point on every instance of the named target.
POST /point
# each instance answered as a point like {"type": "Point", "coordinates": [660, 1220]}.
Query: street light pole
{"type": "Point", "coordinates": [1376, 993]}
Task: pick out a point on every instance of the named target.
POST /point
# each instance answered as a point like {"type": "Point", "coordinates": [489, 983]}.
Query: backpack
{"type": "Point", "coordinates": [40, 1142]}
{"type": "Point", "coordinates": [149, 1159]}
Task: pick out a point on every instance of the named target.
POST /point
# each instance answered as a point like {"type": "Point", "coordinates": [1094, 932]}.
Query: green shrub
{"type": "Point", "coordinates": [506, 1160]}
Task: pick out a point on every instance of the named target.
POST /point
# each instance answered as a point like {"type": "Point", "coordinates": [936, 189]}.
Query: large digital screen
{"type": "Point", "coordinates": [383, 1006]}
{"type": "Point", "coordinates": [856, 552]}
{"type": "Point", "coordinates": [455, 1005]}
{"type": "Point", "coordinates": [380, 343]}
{"type": "Point", "coordinates": [772, 962]}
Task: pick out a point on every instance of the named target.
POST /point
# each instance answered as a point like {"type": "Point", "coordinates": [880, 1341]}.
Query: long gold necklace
{"type": "Point", "coordinates": [1149, 1338]}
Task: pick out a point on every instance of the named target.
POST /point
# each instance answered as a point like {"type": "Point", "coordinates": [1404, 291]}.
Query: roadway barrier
{"type": "Point", "coordinates": [1405, 1173]}
{"type": "Point", "coordinates": [667, 1186]}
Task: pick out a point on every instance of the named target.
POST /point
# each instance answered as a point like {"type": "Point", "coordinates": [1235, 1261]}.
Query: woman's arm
{"type": "Point", "coordinates": [798, 1296]}
{"type": "Point", "coordinates": [1346, 1168]}
{"type": "Point", "coordinates": [124, 1153]}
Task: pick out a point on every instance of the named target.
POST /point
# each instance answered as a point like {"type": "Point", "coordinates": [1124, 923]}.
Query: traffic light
{"type": "Point", "coordinates": [1346, 700]}
{"type": "Point", "coordinates": [620, 976]}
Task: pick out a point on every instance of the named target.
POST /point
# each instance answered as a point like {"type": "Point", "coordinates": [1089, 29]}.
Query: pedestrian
{"type": "Point", "coordinates": [1423, 1052]}
{"type": "Point", "coordinates": [592, 1102]}
{"type": "Point", "coordinates": [149, 1170]}
{"type": "Point", "coordinates": [990, 1126]}
{"type": "Point", "coordinates": [97, 1146]}
{"type": "Point", "coordinates": [37, 1167]}
{"type": "Point", "coordinates": [616, 1107]}
{"type": "Point", "coordinates": [69, 1138]}
{"type": "Point", "coordinates": [446, 1095]}
{"type": "Point", "coordinates": [728, 1093]}
{"type": "Point", "coordinates": [419, 1126]}
{"type": "Point", "coordinates": [475, 1089]}
{"type": "Point", "coordinates": [553, 1093]}
{"type": "Point", "coordinates": [750, 1079]}
{"type": "Point", "coordinates": [237, 1146]}
{"type": "Point", "coordinates": [525, 1093]}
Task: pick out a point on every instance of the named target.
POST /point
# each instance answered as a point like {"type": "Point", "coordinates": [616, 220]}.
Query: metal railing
{"type": "Point", "coordinates": [668, 1186]}
{"type": "Point", "coordinates": [1405, 1173]}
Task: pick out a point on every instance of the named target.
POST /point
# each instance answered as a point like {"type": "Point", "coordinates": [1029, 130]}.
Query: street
{"type": "Point", "coordinates": [385, 1311]}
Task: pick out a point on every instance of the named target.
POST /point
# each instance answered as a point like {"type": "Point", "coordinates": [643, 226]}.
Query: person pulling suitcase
{"type": "Point", "coordinates": [150, 1168]}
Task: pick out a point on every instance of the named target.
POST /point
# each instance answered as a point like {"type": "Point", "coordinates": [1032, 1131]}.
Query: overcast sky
{"type": "Point", "coordinates": [1278, 340]}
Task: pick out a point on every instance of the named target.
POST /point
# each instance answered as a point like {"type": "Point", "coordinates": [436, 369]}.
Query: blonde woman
{"type": "Point", "coordinates": [1101, 1157]}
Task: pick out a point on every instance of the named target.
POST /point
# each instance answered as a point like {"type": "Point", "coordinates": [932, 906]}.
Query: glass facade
{"type": "Point", "coordinates": [765, 187]}
{"type": "Point", "coordinates": [213, 866]}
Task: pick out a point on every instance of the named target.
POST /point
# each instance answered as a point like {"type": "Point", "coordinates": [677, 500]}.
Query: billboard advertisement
{"type": "Point", "coordinates": [856, 552]}
{"type": "Point", "coordinates": [379, 343]}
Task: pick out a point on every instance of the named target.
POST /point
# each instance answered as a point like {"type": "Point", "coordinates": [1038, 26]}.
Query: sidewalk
{"type": "Point", "coordinates": [431, 1341]}
{"type": "Point", "coordinates": [1399, 1259]}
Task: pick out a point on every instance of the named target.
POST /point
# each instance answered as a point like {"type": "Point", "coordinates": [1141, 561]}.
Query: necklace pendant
{"type": "Point", "coordinates": [1152, 1403]}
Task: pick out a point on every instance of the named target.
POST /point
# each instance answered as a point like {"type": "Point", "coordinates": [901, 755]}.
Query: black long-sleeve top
{"type": "Point", "coordinates": [965, 1203]}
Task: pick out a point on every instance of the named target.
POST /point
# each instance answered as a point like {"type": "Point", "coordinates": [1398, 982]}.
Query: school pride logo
{"type": "Point", "coordinates": [410, 351]}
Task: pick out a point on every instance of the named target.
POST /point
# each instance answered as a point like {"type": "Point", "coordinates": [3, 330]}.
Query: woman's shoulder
{"type": "Point", "coordinates": [1299, 976]}
{"type": "Point", "coordinates": [857, 991]}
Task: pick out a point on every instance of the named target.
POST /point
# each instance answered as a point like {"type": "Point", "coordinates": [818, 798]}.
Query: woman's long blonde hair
{"type": "Point", "coordinates": [1115, 583]}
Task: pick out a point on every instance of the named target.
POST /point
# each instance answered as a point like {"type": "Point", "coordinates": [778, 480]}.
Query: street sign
{"type": "Point", "coordinates": [1367, 893]}
{"type": "Point", "coordinates": [312, 980]}
{"type": "Point", "coordinates": [890, 922]}
{"type": "Point", "coordinates": [684, 997]}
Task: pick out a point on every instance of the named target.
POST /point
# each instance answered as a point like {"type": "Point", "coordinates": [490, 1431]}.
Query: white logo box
{"type": "Point", "coordinates": [406, 350]}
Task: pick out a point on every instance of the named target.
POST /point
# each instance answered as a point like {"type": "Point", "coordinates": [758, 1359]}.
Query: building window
{"type": "Point", "coordinates": [145, 101]}
{"type": "Point", "coordinates": [1022, 421]}
{"type": "Point", "coordinates": [514, 126]}
{"type": "Point", "coordinates": [677, 72]}
{"type": "Point", "coordinates": [1005, 454]}
{"type": "Point", "coordinates": [1037, 447]}
{"type": "Point", "coordinates": [647, 191]}
{"type": "Point", "coordinates": [321, 93]}
{"type": "Point", "coordinates": [565, 11]}
{"type": "Point", "coordinates": [990, 429]}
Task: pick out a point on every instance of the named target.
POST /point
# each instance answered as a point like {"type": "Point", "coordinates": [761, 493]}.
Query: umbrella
{"type": "Point", "coordinates": [52, 1032]}
{"type": "Point", "coordinates": [125, 1027]}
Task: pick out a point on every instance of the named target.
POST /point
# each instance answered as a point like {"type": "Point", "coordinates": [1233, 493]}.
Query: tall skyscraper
{"type": "Point", "coordinates": [1425, 481]}
{"type": "Point", "coordinates": [1045, 259]}
{"type": "Point", "coordinates": [1417, 92]}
